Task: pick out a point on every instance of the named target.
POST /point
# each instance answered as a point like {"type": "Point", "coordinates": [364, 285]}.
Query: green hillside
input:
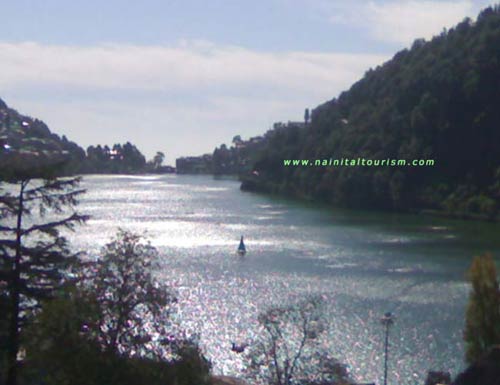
{"type": "Point", "coordinates": [26, 144]}
{"type": "Point", "coordinates": [439, 100]}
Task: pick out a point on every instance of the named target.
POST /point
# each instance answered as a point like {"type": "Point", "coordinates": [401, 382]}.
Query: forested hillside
{"type": "Point", "coordinates": [438, 100]}
{"type": "Point", "coordinates": [27, 142]}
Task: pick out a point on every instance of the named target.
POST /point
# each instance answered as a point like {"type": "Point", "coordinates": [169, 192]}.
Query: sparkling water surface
{"type": "Point", "coordinates": [362, 263]}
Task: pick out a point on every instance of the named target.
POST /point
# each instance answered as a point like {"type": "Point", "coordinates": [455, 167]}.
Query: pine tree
{"type": "Point", "coordinates": [34, 256]}
{"type": "Point", "coordinates": [482, 327]}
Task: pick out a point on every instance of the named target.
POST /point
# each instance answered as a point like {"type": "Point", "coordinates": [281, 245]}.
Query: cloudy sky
{"type": "Point", "coordinates": [183, 76]}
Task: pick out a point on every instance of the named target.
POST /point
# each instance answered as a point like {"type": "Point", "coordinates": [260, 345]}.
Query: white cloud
{"type": "Point", "coordinates": [187, 66]}
{"type": "Point", "coordinates": [403, 21]}
{"type": "Point", "coordinates": [182, 99]}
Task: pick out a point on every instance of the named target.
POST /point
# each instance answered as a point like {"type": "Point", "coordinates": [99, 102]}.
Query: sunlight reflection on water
{"type": "Point", "coordinates": [359, 267]}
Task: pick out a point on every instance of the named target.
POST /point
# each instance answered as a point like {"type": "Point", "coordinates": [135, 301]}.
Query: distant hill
{"type": "Point", "coordinates": [439, 100]}
{"type": "Point", "coordinates": [26, 144]}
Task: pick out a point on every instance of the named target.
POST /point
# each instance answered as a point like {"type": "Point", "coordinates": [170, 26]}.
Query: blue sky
{"type": "Point", "coordinates": [271, 25]}
{"type": "Point", "coordinates": [182, 76]}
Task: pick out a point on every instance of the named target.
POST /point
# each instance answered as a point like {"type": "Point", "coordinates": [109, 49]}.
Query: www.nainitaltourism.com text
{"type": "Point", "coordinates": [350, 162]}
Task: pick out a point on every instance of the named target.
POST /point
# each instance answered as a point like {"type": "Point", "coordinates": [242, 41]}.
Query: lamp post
{"type": "Point", "coordinates": [387, 320]}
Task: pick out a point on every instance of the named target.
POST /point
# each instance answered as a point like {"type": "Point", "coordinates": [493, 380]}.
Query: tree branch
{"type": "Point", "coordinates": [66, 222]}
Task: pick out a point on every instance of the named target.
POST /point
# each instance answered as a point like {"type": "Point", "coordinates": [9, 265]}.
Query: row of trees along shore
{"type": "Point", "coordinates": [68, 319]}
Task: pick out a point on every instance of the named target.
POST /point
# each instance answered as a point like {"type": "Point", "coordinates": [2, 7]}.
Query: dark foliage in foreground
{"type": "Point", "coordinates": [486, 371]}
{"type": "Point", "coordinates": [130, 307]}
{"type": "Point", "coordinates": [34, 256]}
{"type": "Point", "coordinates": [61, 350]}
{"type": "Point", "coordinates": [290, 351]}
{"type": "Point", "coordinates": [482, 319]}
{"type": "Point", "coordinates": [113, 327]}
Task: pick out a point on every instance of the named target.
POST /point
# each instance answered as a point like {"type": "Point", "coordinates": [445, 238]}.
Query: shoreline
{"type": "Point", "coordinates": [248, 185]}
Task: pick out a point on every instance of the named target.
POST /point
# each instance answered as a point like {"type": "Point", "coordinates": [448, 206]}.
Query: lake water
{"type": "Point", "coordinates": [362, 263]}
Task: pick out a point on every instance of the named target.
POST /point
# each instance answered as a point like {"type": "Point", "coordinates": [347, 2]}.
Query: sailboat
{"type": "Point", "coordinates": [241, 248]}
